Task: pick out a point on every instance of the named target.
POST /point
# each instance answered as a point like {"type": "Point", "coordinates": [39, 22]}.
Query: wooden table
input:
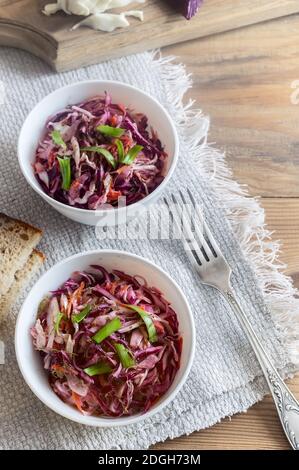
{"type": "Point", "coordinates": [242, 79]}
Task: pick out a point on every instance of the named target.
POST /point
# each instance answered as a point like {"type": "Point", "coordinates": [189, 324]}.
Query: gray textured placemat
{"type": "Point", "coordinates": [225, 378]}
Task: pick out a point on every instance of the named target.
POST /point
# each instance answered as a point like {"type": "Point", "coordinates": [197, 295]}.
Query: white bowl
{"type": "Point", "coordinates": [34, 128]}
{"type": "Point", "coordinates": [30, 362]}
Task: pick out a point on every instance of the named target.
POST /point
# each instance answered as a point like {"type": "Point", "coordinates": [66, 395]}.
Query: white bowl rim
{"type": "Point", "coordinates": [98, 212]}
{"type": "Point", "coordinates": [95, 421]}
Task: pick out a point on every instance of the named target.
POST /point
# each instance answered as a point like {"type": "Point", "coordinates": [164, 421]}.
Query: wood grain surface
{"type": "Point", "coordinates": [242, 79]}
{"type": "Point", "coordinates": [23, 25]}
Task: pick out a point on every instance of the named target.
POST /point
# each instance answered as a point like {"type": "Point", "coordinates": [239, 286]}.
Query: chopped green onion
{"type": "Point", "coordinates": [57, 321]}
{"type": "Point", "coordinates": [65, 170]}
{"type": "Point", "coordinates": [111, 131]}
{"type": "Point", "coordinates": [81, 315]}
{"type": "Point", "coordinates": [124, 355]}
{"type": "Point", "coordinates": [151, 330]}
{"type": "Point", "coordinates": [108, 155]}
{"type": "Point", "coordinates": [57, 139]}
{"type": "Point", "coordinates": [98, 369]}
{"type": "Point", "coordinates": [107, 330]}
{"type": "Point", "coordinates": [42, 305]}
{"type": "Point", "coordinates": [120, 149]}
{"type": "Point", "coordinates": [132, 154]}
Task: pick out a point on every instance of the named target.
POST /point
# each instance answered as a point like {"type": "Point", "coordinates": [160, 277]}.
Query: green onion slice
{"type": "Point", "coordinates": [65, 170]}
{"type": "Point", "coordinates": [57, 321]}
{"type": "Point", "coordinates": [132, 154]}
{"type": "Point", "coordinates": [81, 315]}
{"type": "Point", "coordinates": [57, 139]}
{"type": "Point", "coordinates": [120, 150]}
{"type": "Point", "coordinates": [98, 369]}
{"type": "Point", "coordinates": [107, 330]}
{"type": "Point", "coordinates": [111, 131]}
{"type": "Point", "coordinates": [108, 155]}
{"type": "Point", "coordinates": [147, 319]}
{"type": "Point", "coordinates": [124, 355]}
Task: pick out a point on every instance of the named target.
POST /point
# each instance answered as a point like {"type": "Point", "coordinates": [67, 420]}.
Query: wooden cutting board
{"type": "Point", "coordinates": [23, 25]}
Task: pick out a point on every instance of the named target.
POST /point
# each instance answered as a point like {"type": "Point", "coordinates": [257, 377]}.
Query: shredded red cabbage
{"type": "Point", "coordinates": [91, 375]}
{"type": "Point", "coordinates": [93, 179]}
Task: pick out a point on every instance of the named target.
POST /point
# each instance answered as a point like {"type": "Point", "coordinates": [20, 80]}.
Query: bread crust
{"type": "Point", "coordinates": [21, 280]}
{"type": "Point", "coordinates": [21, 222]}
{"type": "Point", "coordinates": [17, 240]}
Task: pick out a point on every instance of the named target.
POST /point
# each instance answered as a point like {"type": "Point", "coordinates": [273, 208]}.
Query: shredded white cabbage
{"type": "Point", "coordinates": [109, 22]}
{"type": "Point", "coordinates": [95, 10]}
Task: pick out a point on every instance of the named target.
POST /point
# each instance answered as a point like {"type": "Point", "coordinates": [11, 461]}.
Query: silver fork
{"type": "Point", "coordinates": [213, 269]}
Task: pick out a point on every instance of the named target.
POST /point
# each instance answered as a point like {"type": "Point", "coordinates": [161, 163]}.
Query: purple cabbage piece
{"type": "Point", "coordinates": [191, 7]}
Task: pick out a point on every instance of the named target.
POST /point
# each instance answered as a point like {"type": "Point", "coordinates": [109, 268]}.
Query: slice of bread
{"type": "Point", "coordinates": [21, 280]}
{"type": "Point", "coordinates": [17, 240]}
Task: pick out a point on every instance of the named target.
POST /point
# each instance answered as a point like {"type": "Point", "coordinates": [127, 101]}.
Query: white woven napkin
{"type": "Point", "coordinates": [225, 378]}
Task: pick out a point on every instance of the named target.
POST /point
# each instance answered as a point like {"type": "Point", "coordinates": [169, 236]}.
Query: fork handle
{"type": "Point", "coordinates": [286, 404]}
